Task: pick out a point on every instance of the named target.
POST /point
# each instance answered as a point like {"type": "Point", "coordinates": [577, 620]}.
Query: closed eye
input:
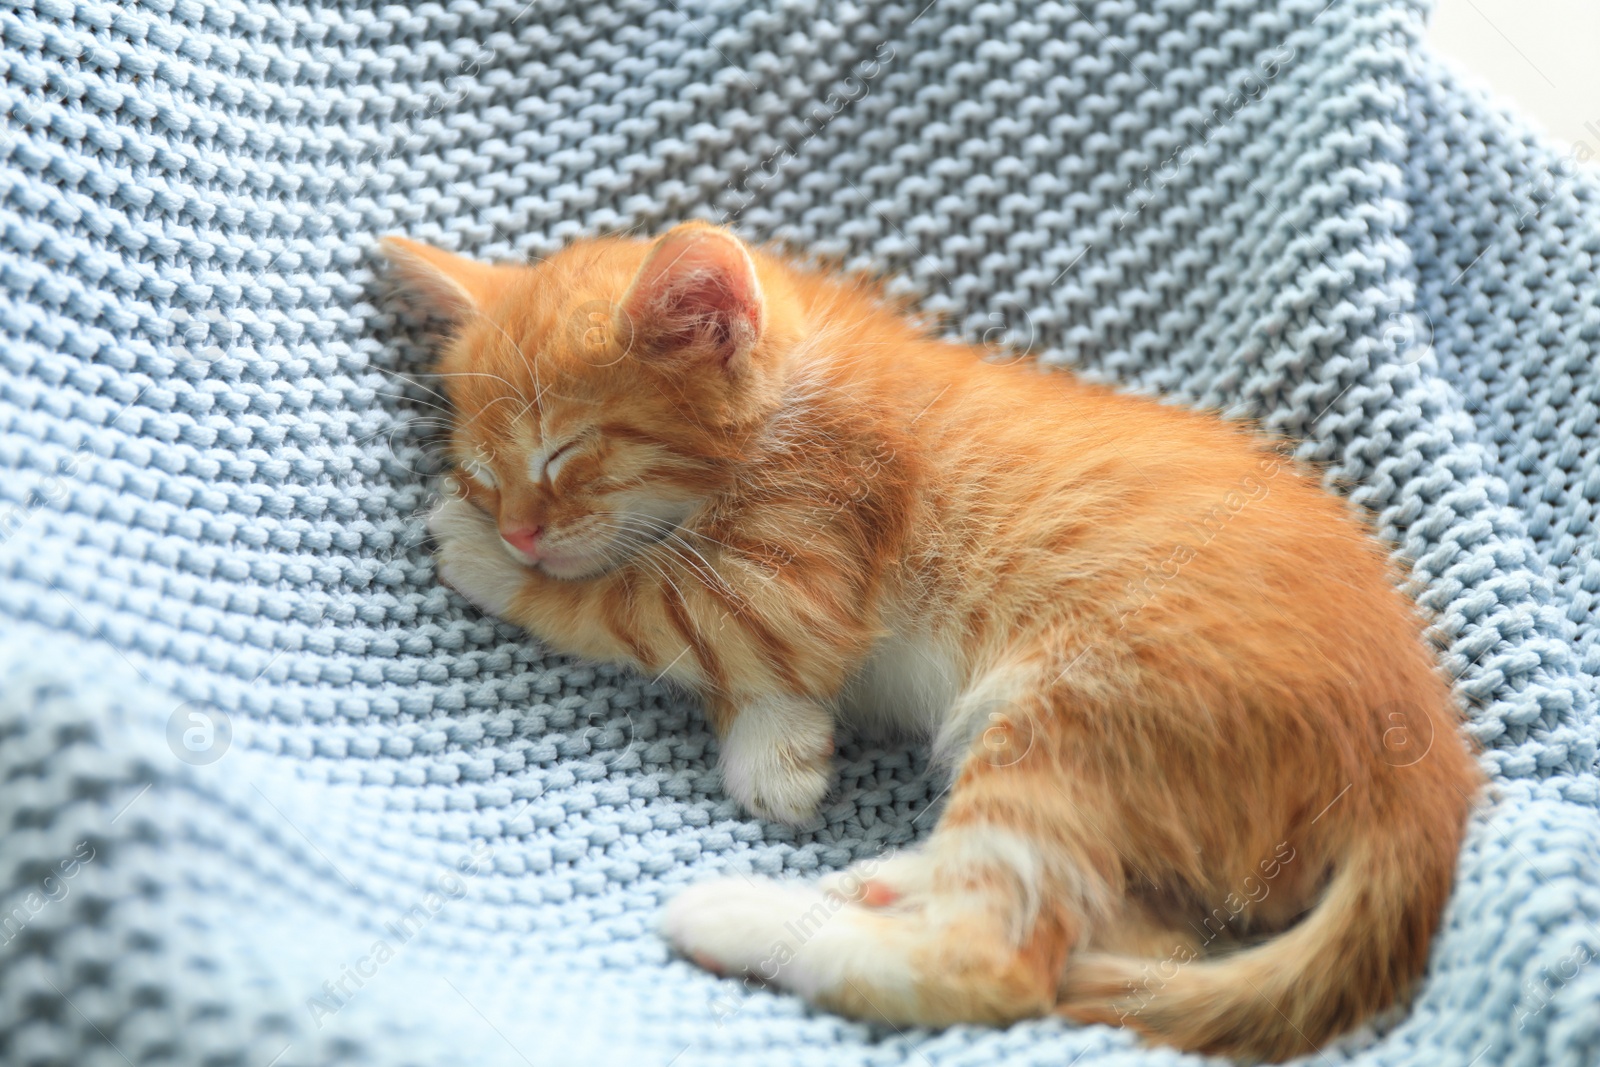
{"type": "Point", "coordinates": [556, 460]}
{"type": "Point", "coordinates": [480, 473]}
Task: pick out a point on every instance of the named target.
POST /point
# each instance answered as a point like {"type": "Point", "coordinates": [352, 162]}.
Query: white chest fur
{"type": "Point", "coordinates": [907, 686]}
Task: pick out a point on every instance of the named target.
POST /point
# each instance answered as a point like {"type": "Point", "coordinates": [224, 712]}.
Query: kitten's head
{"type": "Point", "coordinates": [603, 395]}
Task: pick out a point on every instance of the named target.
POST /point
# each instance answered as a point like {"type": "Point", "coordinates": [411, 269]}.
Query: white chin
{"type": "Point", "coordinates": [569, 569]}
{"type": "Point", "coordinates": [515, 553]}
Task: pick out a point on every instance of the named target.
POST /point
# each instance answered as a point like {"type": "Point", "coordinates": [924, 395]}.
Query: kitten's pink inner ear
{"type": "Point", "coordinates": [697, 291]}
{"type": "Point", "coordinates": [442, 282]}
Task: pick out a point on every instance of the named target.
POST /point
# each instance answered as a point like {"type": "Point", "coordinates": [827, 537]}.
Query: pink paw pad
{"type": "Point", "coordinates": [706, 962]}
{"type": "Point", "coordinates": [877, 895]}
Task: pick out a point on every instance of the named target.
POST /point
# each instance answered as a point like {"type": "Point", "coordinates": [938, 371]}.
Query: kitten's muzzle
{"type": "Point", "coordinates": [525, 539]}
{"type": "Point", "coordinates": [526, 546]}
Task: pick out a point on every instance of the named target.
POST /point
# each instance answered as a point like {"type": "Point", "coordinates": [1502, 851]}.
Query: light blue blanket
{"type": "Point", "coordinates": [271, 796]}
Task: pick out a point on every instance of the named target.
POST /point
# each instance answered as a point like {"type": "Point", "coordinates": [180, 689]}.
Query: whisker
{"type": "Point", "coordinates": [686, 554]}
{"type": "Point", "coordinates": [643, 556]}
{"type": "Point", "coordinates": [412, 400]}
{"type": "Point", "coordinates": [518, 350]}
{"type": "Point", "coordinates": [681, 530]}
{"type": "Point", "coordinates": [478, 374]}
{"type": "Point", "coordinates": [394, 429]}
{"type": "Point", "coordinates": [407, 379]}
{"type": "Point", "coordinates": [694, 561]}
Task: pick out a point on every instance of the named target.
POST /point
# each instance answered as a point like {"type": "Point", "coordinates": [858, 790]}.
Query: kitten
{"type": "Point", "coordinates": [1182, 704]}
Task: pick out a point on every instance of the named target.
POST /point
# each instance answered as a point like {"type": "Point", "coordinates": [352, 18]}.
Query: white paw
{"type": "Point", "coordinates": [734, 926]}
{"type": "Point", "coordinates": [454, 517]}
{"type": "Point", "coordinates": [471, 560]}
{"type": "Point", "coordinates": [777, 758]}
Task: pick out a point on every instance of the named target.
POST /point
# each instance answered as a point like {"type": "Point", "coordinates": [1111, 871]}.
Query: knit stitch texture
{"type": "Point", "coordinates": [215, 450]}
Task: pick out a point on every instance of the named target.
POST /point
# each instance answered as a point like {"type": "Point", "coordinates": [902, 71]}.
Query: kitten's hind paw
{"type": "Point", "coordinates": [731, 926]}
{"type": "Point", "coordinates": [882, 880]}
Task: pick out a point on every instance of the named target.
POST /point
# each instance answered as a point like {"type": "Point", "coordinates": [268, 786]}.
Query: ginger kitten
{"type": "Point", "coordinates": [1207, 779]}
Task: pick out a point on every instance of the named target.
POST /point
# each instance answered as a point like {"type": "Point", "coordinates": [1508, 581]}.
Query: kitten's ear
{"type": "Point", "coordinates": [696, 292]}
{"type": "Point", "coordinates": [443, 282]}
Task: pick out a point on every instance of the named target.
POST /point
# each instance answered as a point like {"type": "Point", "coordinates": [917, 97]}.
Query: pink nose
{"type": "Point", "coordinates": [524, 538]}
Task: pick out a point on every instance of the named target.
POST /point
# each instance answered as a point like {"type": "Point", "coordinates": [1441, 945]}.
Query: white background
{"type": "Point", "coordinates": [1540, 57]}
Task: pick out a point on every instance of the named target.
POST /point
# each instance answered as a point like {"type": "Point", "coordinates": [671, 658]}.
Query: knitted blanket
{"type": "Point", "coordinates": [270, 796]}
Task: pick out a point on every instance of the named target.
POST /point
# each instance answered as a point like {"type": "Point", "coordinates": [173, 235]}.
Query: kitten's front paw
{"type": "Point", "coordinates": [471, 560]}
{"type": "Point", "coordinates": [777, 758]}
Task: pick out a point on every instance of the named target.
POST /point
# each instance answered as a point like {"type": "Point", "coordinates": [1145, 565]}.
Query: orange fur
{"type": "Point", "coordinates": [1165, 667]}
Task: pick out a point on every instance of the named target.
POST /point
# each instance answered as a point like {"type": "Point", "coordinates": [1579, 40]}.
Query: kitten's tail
{"type": "Point", "coordinates": [1355, 953]}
